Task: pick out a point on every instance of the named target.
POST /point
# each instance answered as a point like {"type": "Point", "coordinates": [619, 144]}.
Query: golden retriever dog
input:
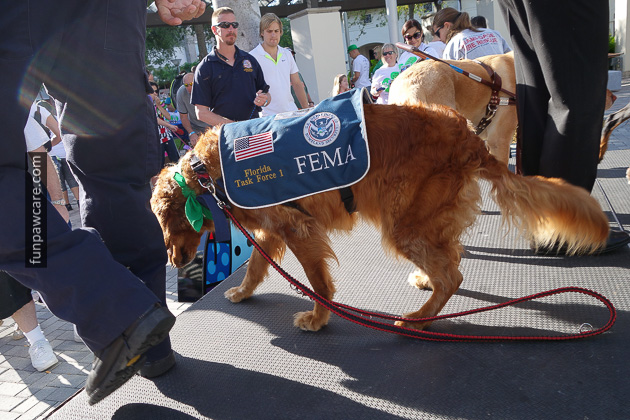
{"type": "Point", "coordinates": [433, 82]}
{"type": "Point", "coordinates": [421, 191]}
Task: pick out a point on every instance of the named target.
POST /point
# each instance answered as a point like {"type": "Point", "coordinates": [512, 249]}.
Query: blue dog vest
{"type": "Point", "coordinates": [272, 160]}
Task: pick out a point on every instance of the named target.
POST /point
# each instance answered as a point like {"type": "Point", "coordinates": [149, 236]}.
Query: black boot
{"type": "Point", "coordinates": [123, 357]}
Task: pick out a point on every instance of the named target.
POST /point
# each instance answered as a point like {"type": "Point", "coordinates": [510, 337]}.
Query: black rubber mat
{"type": "Point", "coordinates": [247, 361]}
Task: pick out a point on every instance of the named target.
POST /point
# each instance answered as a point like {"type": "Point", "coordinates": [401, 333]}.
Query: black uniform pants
{"type": "Point", "coordinates": [90, 55]}
{"type": "Point", "coordinates": [561, 74]}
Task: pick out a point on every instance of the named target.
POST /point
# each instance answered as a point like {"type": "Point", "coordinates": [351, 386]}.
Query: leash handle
{"type": "Point", "coordinates": [364, 318]}
{"type": "Point", "coordinates": [265, 89]}
{"type": "Point", "coordinates": [416, 51]}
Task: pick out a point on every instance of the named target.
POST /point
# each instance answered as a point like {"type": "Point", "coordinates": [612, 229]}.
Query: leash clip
{"type": "Point", "coordinates": [205, 180]}
{"type": "Point", "coordinates": [298, 291]}
{"type": "Point", "coordinates": [209, 185]}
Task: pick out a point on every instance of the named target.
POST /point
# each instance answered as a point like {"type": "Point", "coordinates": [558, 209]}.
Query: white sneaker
{"type": "Point", "coordinates": [42, 355]}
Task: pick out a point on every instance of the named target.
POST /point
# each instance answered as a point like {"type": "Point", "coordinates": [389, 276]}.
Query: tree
{"type": "Point", "coordinates": [377, 17]}
{"type": "Point", "coordinates": [201, 40]}
{"type": "Point", "coordinates": [160, 43]}
{"type": "Point", "coordinates": [248, 16]}
{"type": "Point", "coordinates": [286, 41]}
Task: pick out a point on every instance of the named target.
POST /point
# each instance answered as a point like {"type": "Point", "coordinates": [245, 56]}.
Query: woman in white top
{"type": "Point", "coordinates": [462, 39]}
{"type": "Point", "coordinates": [413, 35]}
{"type": "Point", "coordinates": [385, 75]}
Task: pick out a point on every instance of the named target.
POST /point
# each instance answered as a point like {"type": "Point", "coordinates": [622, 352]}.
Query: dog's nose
{"type": "Point", "coordinates": [184, 258]}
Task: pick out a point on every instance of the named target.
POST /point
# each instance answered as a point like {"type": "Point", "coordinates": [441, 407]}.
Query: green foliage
{"type": "Point", "coordinates": [286, 41]}
{"type": "Point", "coordinates": [611, 44]}
{"type": "Point", "coordinates": [187, 66]}
{"type": "Point", "coordinates": [160, 43]}
{"type": "Point", "coordinates": [164, 75]}
{"type": "Point", "coordinates": [376, 17]}
{"type": "Point", "coordinates": [379, 16]}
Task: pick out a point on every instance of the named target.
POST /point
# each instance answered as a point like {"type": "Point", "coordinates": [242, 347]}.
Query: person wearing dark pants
{"type": "Point", "coordinates": [561, 77]}
{"type": "Point", "coordinates": [109, 277]}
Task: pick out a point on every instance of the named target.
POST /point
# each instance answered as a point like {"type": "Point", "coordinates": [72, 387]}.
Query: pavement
{"type": "Point", "coordinates": [28, 394]}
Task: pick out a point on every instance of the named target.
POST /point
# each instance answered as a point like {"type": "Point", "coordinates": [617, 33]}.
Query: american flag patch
{"type": "Point", "coordinates": [252, 146]}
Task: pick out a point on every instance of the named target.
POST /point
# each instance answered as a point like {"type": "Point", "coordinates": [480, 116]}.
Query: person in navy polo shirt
{"type": "Point", "coordinates": [229, 83]}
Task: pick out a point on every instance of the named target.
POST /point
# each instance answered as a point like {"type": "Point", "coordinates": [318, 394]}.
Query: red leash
{"type": "Point", "coordinates": [364, 318]}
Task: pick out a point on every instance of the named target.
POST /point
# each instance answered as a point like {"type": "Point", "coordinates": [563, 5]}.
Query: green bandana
{"type": "Point", "coordinates": [195, 212]}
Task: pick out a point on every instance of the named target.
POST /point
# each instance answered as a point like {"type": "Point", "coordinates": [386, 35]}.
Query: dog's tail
{"type": "Point", "coordinates": [549, 210]}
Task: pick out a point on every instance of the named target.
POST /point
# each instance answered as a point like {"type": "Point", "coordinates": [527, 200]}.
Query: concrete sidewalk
{"type": "Point", "coordinates": [28, 394]}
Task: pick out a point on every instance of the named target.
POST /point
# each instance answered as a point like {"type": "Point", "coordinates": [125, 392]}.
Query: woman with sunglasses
{"type": "Point", "coordinates": [385, 75]}
{"type": "Point", "coordinates": [463, 40]}
{"type": "Point", "coordinates": [413, 35]}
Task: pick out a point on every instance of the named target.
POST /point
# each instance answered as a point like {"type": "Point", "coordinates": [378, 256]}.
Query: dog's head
{"type": "Point", "coordinates": [168, 202]}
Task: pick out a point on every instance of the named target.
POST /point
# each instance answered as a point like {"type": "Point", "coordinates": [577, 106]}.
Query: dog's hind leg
{"type": "Point", "coordinates": [258, 266]}
{"type": "Point", "coordinates": [441, 275]}
{"type": "Point", "coordinates": [500, 133]}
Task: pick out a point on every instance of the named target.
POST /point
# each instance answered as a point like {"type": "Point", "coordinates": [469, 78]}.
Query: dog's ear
{"type": "Point", "coordinates": [168, 204]}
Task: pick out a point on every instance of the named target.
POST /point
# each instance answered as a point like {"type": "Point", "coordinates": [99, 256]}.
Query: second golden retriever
{"type": "Point", "coordinates": [432, 82]}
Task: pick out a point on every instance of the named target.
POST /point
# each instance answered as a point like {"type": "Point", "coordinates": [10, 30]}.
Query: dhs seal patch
{"type": "Point", "coordinates": [322, 129]}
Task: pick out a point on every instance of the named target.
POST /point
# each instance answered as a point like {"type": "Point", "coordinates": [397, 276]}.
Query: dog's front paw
{"type": "Point", "coordinates": [307, 321]}
{"type": "Point", "coordinates": [420, 280]}
{"type": "Point", "coordinates": [236, 294]}
{"type": "Point", "coordinates": [413, 325]}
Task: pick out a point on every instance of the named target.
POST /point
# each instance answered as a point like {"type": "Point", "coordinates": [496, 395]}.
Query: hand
{"type": "Point", "coordinates": [193, 138]}
{"type": "Point", "coordinates": [174, 12]}
{"type": "Point", "coordinates": [262, 99]}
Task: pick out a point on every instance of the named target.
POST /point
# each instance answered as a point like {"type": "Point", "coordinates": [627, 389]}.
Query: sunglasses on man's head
{"type": "Point", "coordinates": [388, 52]}
{"type": "Point", "coordinates": [414, 36]}
{"type": "Point", "coordinates": [225, 25]}
{"type": "Point", "coordinates": [188, 84]}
